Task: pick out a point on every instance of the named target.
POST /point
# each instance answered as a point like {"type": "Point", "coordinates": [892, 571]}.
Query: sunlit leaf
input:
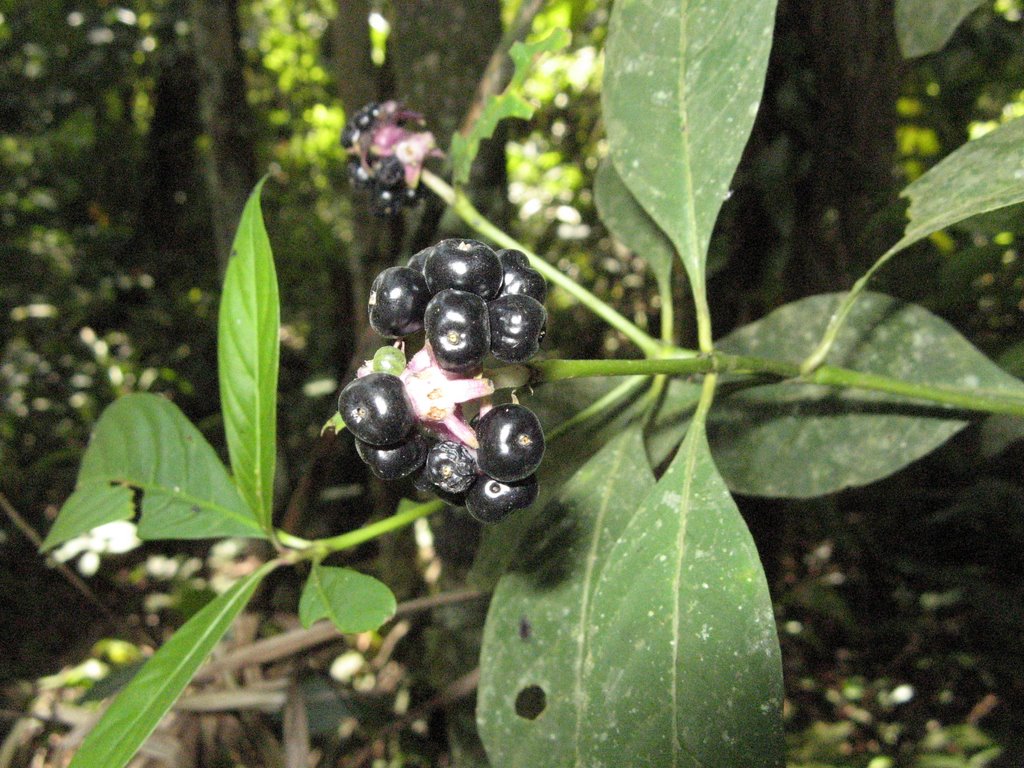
{"type": "Point", "coordinates": [138, 708]}
{"type": "Point", "coordinates": [509, 103]}
{"type": "Point", "coordinates": [629, 222]}
{"type": "Point", "coordinates": [682, 85]}
{"type": "Point", "coordinates": [925, 26]}
{"type": "Point", "coordinates": [247, 357]}
{"type": "Point", "coordinates": [352, 601]}
{"type": "Point", "coordinates": [801, 441]}
{"type": "Point", "coordinates": [143, 441]}
{"type": "Point", "coordinates": [537, 618]}
{"type": "Point", "coordinates": [983, 175]}
{"type": "Point", "coordinates": [94, 503]}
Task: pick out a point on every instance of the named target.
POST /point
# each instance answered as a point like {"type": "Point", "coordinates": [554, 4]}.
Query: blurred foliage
{"type": "Point", "coordinates": [899, 604]}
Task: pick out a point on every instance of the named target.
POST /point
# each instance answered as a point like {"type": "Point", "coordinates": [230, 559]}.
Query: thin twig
{"type": "Point", "coordinates": [76, 581]}
{"type": "Point", "coordinates": [459, 689]}
{"type": "Point", "coordinates": [299, 640]}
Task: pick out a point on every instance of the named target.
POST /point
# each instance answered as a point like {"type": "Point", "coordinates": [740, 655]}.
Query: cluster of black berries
{"type": "Point", "coordinates": [407, 418]}
{"type": "Point", "coordinates": [387, 153]}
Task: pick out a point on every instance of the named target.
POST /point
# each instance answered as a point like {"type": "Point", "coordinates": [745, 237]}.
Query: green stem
{"type": "Point", "coordinates": [717, 362]}
{"type": "Point", "coordinates": [468, 213]}
{"type": "Point", "coordinates": [817, 357]}
{"type": "Point", "coordinates": [596, 408]}
{"type": "Point", "coordinates": [323, 547]}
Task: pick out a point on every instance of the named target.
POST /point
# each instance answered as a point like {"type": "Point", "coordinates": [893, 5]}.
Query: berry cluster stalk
{"type": "Point", "coordinates": [459, 203]}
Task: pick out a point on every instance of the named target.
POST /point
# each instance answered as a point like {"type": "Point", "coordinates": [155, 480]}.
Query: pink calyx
{"type": "Point", "coordinates": [437, 395]}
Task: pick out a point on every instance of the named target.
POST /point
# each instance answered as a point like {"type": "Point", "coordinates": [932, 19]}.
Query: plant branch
{"type": "Point", "coordinates": [546, 371]}
{"type": "Point", "coordinates": [817, 357]}
{"type": "Point", "coordinates": [462, 206]}
{"type": "Point", "coordinates": [323, 547]}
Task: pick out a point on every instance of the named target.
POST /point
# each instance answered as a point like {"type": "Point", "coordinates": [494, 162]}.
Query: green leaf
{"type": "Point", "coordinates": [801, 441]}
{"type": "Point", "coordinates": [336, 424]}
{"type": "Point", "coordinates": [138, 708]}
{"type": "Point", "coordinates": [549, 591]}
{"type": "Point", "coordinates": [510, 103]}
{"type": "Point", "coordinates": [143, 441]}
{"type": "Point", "coordinates": [247, 360]}
{"type": "Point", "coordinates": [682, 85]}
{"type": "Point", "coordinates": [983, 175]}
{"type": "Point", "coordinates": [668, 657]}
{"type": "Point", "coordinates": [925, 26]}
{"type": "Point", "coordinates": [353, 601]}
{"type": "Point", "coordinates": [629, 222]}
{"type": "Point", "coordinates": [91, 505]}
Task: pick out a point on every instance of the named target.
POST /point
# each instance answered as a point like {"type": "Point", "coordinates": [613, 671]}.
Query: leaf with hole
{"type": "Point", "coordinates": [509, 103]}
{"type": "Point", "coordinates": [352, 601]}
{"type": "Point", "coordinates": [535, 636]}
{"type": "Point", "coordinates": [925, 26]}
{"type": "Point", "coordinates": [800, 441]}
{"type": "Point", "coordinates": [139, 707]}
{"type": "Point", "coordinates": [682, 85]}
{"type": "Point", "coordinates": [247, 360]}
{"type": "Point", "coordinates": [142, 441]}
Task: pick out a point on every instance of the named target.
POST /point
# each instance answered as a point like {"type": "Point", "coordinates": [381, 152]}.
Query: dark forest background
{"type": "Point", "coordinates": [130, 137]}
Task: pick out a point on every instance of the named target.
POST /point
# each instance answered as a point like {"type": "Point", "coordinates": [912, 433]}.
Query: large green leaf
{"type": "Point", "coordinates": [509, 103]}
{"type": "Point", "coordinates": [143, 441]}
{"type": "Point", "coordinates": [353, 601]}
{"type": "Point", "coordinates": [801, 441]}
{"type": "Point", "coordinates": [537, 625]}
{"type": "Point", "coordinates": [138, 708]}
{"type": "Point", "coordinates": [925, 26]}
{"type": "Point", "coordinates": [247, 360]}
{"type": "Point", "coordinates": [629, 222]}
{"type": "Point", "coordinates": [662, 650]}
{"type": "Point", "coordinates": [682, 85]}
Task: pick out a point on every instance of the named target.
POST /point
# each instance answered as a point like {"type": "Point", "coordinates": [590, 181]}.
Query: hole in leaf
{"type": "Point", "coordinates": [531, 702]}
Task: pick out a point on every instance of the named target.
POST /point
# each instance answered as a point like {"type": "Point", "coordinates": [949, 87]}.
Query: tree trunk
{"type": "Point", "coordinates": [231, 166]}
{"type": "Point", "coordinates": [855, 65]}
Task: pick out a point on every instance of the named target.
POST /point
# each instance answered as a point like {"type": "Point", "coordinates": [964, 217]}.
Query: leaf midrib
{"type": "Point", "coordinates": [586, 603]}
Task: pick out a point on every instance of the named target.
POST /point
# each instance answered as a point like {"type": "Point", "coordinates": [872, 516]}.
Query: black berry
{"type": "Point", "coordinates": [390, 173]}
{"type": "Point", "coordinates": [418, 259]}
{"type": "Point", "coordinates": [511, 443]}
{"type": "Point", "coordinates": [491, 501]}
{"type": "Point", "coordinates": [450, 466]}
{"type": "Point", "coordinates": [517, 324]}
{"type": "Point", "coordinates": [393, 462]}
{"type": "Point", "coordinates": [465, 265]}
{"type": "Point", "coordinates": [349, 136]}
{"type": "Point", "coordinates": [376, 409]}
{"type": "Point", "coordinates": [386, 202]}
{"type": "Point", "coordinates": [358, 175]}
{"type": "Point", "coordinates": [398, 298]}
{"type": "Point", "coordinates": [366, 116]}
{"type": "Point", "coordinates": [518, 277]}
{"type": "Point", "coordinates": [457, 329]}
